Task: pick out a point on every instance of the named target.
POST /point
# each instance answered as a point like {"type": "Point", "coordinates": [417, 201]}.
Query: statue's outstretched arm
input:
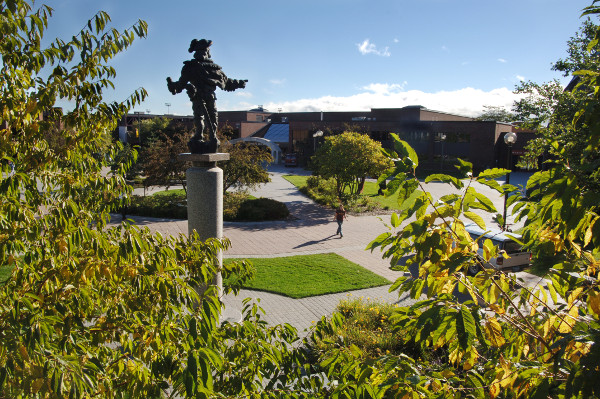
{"type": "Point", "coordinates": [232, 84]}
{"type": "Point", "coordinates": [176, 87]}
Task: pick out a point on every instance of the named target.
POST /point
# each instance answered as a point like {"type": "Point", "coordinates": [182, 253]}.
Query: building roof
{"type": "Point", "coordinates": [278, 133]}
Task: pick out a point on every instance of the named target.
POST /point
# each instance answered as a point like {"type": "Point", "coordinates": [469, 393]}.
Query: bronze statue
{"type": "Point", "coordinates": [201, 77]}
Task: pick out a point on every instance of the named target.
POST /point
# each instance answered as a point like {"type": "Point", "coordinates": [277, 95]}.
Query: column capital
{"type": "Point", "coordinates": [204, 160]}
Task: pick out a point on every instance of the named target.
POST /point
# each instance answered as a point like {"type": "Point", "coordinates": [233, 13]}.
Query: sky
{"type": "Point", "coordinates": [454, 56]}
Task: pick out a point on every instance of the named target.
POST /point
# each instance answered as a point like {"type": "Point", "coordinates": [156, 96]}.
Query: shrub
{"type": "Point", "coordinates": [166, 205]}
{"type": "Point", "coordinates": [367, 325]}
{"type": "Point", "coordinates": [232, 202]}
{"type": "Point", "coordinates": [362, 205]}
{"type": "Point", "coordinates": [321, 190]}
{"type": "Point", "coordinates": [262, 209]}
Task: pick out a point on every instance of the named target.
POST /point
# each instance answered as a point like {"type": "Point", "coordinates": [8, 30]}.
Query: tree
{"type": "Point", "coordinates": [349, 158]}
{"type": "Point", "coordinates": [579, 58]}
{"type": "Point", "coordinates": [505, 340]}
{"type": "Point", "coordinates": [494, 113]}
{"type": "Point", "coordinates": [92, 309]}
{"type": "Point", "coordinates": [160, 162]}
{"type": "Point", "coordinates": [246, 166]}
{"type": "Point", "coordinates": [549, 109]}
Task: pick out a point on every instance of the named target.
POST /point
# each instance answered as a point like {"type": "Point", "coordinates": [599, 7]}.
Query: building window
{"type": "Point", "coordinates": [414, 137]}
{"type": "Point", "coordinates": [458, 137]}
{"type": "Point", "coordinates": [380, 136]}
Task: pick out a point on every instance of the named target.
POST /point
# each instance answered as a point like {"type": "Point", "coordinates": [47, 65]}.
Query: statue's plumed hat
{"type": "Point", "coordinates": [198, 45]}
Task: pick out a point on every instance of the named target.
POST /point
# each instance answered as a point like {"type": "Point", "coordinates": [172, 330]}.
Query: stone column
{"type": "Point", "coordinates": [205, 200]}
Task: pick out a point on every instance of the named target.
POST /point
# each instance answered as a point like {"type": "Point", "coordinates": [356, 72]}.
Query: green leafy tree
{"type": "Point", "coordinates": [503, 339]}
{"type": "Point", "coordinates": [549, 109]}
{"type": "Point", "coordinates": [160, 163]}
{"type": "Point", "coordinates": [91, 309]}
{"type": "Point", "coordinates": [494, 113]}
{"type": "Point", "coordinates": [246, 167]}
{"type": "Point", "coordinates": [349, 158]}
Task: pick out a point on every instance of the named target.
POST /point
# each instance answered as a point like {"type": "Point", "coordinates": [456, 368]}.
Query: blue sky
{"type": "Point", "coordinates": [332, 55]}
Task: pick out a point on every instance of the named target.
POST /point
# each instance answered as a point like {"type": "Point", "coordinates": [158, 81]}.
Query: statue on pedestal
{"type": "Point", "coordinates": [200, 77]}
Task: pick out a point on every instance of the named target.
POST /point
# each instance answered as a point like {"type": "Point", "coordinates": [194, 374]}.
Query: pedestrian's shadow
{"type": "Point", "coordinates": [313, 242]}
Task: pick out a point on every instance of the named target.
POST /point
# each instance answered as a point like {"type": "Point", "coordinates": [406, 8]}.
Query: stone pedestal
{"type": "Point", "coordinates": [205, 199]}
{"type": "Point", "coordinates": [205, 202]}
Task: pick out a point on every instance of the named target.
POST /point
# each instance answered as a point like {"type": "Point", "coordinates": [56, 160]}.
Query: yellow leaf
{"type": "Point", "coordinates": [497, 309]}
{"type": "Point", "coordinates": [566, 326]}
{"type": "Point", "coordinates": [494, 390]}
{"type": "Point", "coordinates": [454, 356]}
{"type": "Point", "coordinates": [548, 325]}
{"type": "Point", "coordinates": [471, 359]}
{"type": "Point", "coordinates": [588, 233]}
{"type": "Point", "coordinates": [574, 295]}
{"type": "Point", "coordinates": [525, 350]}
{"type": "Point", "coordinates": [493, 331]}
{"type": "Point", "coordinates": [594, 303]}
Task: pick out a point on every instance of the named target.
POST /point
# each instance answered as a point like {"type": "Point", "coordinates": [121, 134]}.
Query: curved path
{"type": "Point", "coordinates": [312, 231]}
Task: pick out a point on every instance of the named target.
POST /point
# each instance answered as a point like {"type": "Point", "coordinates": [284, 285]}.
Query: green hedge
{"type": "Point", "coordinates": [166, 205]}
{"type": "Point", "coordinates": [262, 209]}
{"type": "Point", "coordinates": [236, 207]}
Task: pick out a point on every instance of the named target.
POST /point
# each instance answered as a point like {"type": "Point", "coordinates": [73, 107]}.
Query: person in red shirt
{"type": "Point", "coordinates": [340, 215]}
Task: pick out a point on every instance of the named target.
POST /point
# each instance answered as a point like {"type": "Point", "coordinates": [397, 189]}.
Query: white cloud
{"type": "Point", "coordinates": [446, 49]}
{"type": "Point", "coordinates": [466, 102]}
{"type": "Point", "coordinates": [277, 82]}
{"type": "Point", "coordinates": [521, 78]}
{"type": "Point", "coordinates": [502, 60]}
{"type": "Point", "coordinates": [366, 47]}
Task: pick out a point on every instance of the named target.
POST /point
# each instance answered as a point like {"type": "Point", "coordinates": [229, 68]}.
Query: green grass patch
{"type": "Point", "coordinates": [369, 191]}
{"type": "Point", "coordinates": [179, 192]}
{"type": "Point", "coordinates": [304, 276]}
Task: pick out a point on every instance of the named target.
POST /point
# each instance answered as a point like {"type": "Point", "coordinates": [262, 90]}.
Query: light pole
{"type": "Point", "coordinates": [442, 140]}
{"type": "Point", "coordinates": [318, 133]}
{"type": "Point", "coordinates": [168, 107]}
{"type": "Point", "coordinates": [510, 138]}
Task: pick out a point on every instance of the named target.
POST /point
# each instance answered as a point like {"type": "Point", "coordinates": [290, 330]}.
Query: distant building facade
{"type": "Point", "coordinates": [435, 136]}
{"type": "Point", "coordinates": [479, 142]}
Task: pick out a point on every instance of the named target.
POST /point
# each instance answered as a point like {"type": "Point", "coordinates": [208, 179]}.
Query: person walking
{"type": "Point", "coordinates": [340, 215]}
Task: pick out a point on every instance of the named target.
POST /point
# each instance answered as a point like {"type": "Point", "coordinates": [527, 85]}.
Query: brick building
{"type": "Point", "coordinates": [438, 137]}
{"type": "Point", "coordinates": [432, 134]}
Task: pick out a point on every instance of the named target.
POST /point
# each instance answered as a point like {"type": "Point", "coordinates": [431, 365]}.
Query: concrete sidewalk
{"type": "Point", "coordinates": [311, 231]}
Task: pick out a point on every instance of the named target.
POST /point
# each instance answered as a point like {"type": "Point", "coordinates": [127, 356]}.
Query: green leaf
{"type": "Point", "coordinates": [405, 150]}
{"type": "Point", "coordinates": [492, 174]}
{"type": "Point", "coordinates": [476, 218]}
{"type": "Point", "coordinates": [395, 220]}
{"type": "Point", "coordinates": [466, 328]}
{"type": "Point", "coordinates": [464, 167]}
{"type": "Point", "coordinates": [486, 202]}
{"type": "Point", "coordinates": [445, 179]}
{"type": "Point", "coordinates": [407, 189]}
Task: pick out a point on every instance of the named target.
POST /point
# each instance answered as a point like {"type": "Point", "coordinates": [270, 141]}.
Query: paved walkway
{"type": "Point", "coordinates": [312, 231]}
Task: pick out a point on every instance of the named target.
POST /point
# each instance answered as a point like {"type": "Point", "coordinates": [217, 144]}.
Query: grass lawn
{"type": "Point", "coordinates": [178, 191]}
{"type": "Point", "coordinates": [310, 275]}
{"type": "Point", "coordinates": [370, 190]}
